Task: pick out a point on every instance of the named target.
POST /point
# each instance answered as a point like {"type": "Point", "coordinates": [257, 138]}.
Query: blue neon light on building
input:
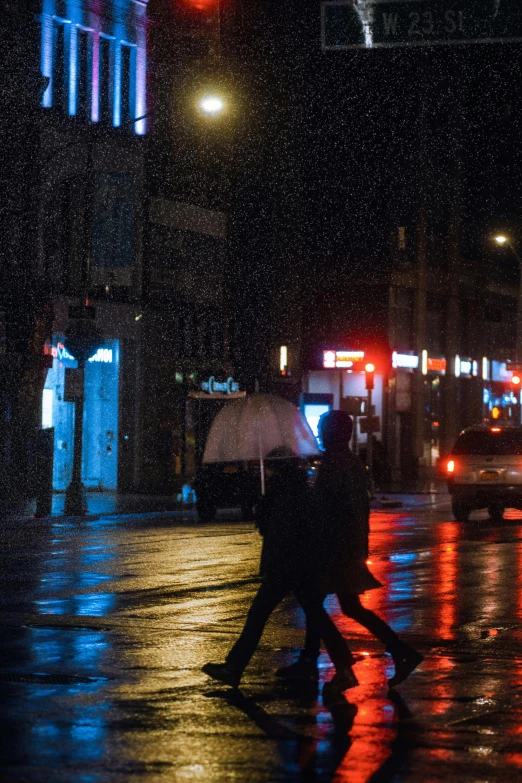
{"type": "Point", "coordinates": [122, 30]}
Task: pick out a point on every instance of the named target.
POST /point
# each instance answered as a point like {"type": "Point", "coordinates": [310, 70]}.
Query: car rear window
{"type": "Point", "coordinates": [485, 442]}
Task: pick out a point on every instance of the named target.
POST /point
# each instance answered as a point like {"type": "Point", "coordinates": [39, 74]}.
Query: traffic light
{"type": "Point", "coordinates": [516, 379]}
{"type": "Point", "coordinates": [370, 373]}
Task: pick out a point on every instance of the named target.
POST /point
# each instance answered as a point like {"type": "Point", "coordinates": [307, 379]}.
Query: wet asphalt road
{"type": "Point", "coordinates": [105, 624]}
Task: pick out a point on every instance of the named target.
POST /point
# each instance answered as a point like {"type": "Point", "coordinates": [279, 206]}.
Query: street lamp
{"type": "Point", "coordinates": [502, 239]}
{"type": "Point", "coordinates": [211, 105]}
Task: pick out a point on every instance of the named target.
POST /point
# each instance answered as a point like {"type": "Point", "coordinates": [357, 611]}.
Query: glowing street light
{"type": "Point", "coordinates": [502, 239]}
{"type": "Point", "coordinates": [211, 105]}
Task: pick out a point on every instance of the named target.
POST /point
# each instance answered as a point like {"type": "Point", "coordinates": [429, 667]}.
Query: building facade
{"type": "Point", "coordinates": [441, 360]}
{"type": "Point", "coordinates": [114, 227]}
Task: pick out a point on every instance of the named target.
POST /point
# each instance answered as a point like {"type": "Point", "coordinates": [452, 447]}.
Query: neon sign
{"type": "Point", "coordinates": [436, 365]}
{"type": "Point", "coordinates": [227, 387]}
{"type": "Point", "coordinates": [102, 355]}
{"type": "Point", "coordinates": [58, 351]}
{"type": "Point", "coordinates": [405, 360]}
{"type": "Point", "coordinates": [333, 359]}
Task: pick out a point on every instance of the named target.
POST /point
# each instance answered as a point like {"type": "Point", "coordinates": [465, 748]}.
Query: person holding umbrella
{"type": "Point", "coordinates": [343, 509]}
{"type": "Point", "coordinates": [288, 564]}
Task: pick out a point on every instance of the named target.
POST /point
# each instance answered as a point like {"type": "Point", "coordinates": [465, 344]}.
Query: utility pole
{"type": "Point", "coordinates": [418, 402]}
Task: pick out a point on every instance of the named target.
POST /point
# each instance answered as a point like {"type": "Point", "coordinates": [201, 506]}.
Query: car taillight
{"type": "Point", "coordinates": [450, 466]}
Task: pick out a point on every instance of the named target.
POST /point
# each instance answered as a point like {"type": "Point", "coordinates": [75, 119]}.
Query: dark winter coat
{"type": "Point", "coordinates": [283, 517]}
{"type": "Point", "coordinates": [342, 501]}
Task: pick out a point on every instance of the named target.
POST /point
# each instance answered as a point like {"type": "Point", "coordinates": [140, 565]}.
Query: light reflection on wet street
{"type": "Point", "coordinates": [106, 624]}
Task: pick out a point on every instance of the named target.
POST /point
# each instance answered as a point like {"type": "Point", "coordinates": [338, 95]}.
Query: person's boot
{"type": "Point", "coordinates": [406, 659]}
{"type": "Point", "coordinates": [224, 673]}
{"type": "Point", "coordinates": [342, 681]}
{"type": "Point", "coordinates": [304, 669]}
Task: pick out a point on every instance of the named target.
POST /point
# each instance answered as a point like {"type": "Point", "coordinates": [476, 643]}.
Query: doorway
{"type": "Point", "coordinates": [100, 417]}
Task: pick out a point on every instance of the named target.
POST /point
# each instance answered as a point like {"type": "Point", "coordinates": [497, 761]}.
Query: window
{"type": "Point", "coordinates": [113, 236]}
{"type": "Point", "coordinates": [57, 236]}
{"type": "Point", "coordinates": [187, 334]}
{"type": "Point", "coordinates": [60, 70]}
{"type": "Point", "coordinates": [104, 79]}
{"type": "Point", "coordinates": [478, 442]}
{"type": "Point", "coordinates": [127, 103]}
{"type": "Point", "coordinates": [211, 335]}
{"type": "Point", "coordinates": [84, 73]}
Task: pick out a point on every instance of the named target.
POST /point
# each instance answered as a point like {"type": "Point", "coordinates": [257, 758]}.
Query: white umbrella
{"type": "Point", "coordinates": [252, 427]}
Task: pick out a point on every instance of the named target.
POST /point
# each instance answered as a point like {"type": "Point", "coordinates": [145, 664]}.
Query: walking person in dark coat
{"type": "Point", "coordinates": [342, 505]}
{"type": "Point", "coordinates": [287, 565]}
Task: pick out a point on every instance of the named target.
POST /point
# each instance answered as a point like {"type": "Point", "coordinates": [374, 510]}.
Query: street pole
{"type": "Point", "coordinates": [369, 436]}
{"type": "Point", "coordinates": [369, 378]}
{"type": "Point", "coordinates": [518, 348]}
{"type": "Point", "coordinates": [518, 351]}
{"type": "Point", "coordinates": [75, 498]}
{"type": "Point", "coordinates": [82, 338]}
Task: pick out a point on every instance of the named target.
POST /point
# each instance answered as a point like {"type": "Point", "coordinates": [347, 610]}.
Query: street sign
{"type": "Point", "coordinates": [356, 406]}
{"type": "Point", "coordinates": [370, 424]}
{"type": "Point", "coordinates": [372, 24]}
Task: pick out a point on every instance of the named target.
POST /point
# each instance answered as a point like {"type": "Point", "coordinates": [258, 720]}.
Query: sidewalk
{"type": "Point", "coordinates": [109, 504]}
{"type": "Point", "coordinates": [114, 504]}
{"type": "Point", "coordinates": [412, 495]}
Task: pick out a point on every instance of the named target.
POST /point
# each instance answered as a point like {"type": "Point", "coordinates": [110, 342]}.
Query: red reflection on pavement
{"type": "Point", "coordinates": [445, 582]}
{"type": "Point", "coordinates": [514, 758]}
{"type": "Point", "coordinates": [373, 730]}
{"type": "Point", "coordinates": [439, 671]}
{"type": "Point", "coordinates": [383, 529]}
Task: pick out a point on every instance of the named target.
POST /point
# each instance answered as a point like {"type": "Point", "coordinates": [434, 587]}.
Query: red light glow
{"type": "Point", "coordinates": [495, 429]}
{"type": "Point", "coordinates": [370, 367]}
{"type": "Point", "coordinates": [450, 466]}
{"type": "Point", "coordinates": [515, 380]}
{"type": "Point", "coordinates": [202, 5]}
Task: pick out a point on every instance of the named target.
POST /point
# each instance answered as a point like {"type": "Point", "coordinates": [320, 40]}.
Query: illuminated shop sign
{"type": "Point", "coordinates": [405, 361]}
{"type": "Point", "coordinates": [102, 355]}
{"type": "Point", "coordinates": [60, 352]}
{"type": "Point", "coordinates": [499, 372]}
{"type": "Point", "coordinates": [227, 387]}
{"type": "Point", "coordinates": [465, 367]}
{"type": "Point", "coordinates": [336, 359]}
{"type": "Point", "coordinates": [436, 365]}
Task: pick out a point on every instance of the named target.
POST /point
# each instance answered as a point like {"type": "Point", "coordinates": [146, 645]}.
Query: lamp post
{"type": "Point", "coordinates": [82, 339]}
{"type": "Point", "coordinates": [502, 240]}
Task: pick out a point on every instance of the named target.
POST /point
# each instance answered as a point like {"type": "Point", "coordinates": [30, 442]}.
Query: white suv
{"type": "Point", "coordinates": [485, 470]}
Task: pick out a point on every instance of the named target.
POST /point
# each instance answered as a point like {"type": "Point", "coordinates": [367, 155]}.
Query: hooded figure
{"type": "Point", "coordinates": [342, 503]}
{"type": "Point", "coordinates": [342, 508]}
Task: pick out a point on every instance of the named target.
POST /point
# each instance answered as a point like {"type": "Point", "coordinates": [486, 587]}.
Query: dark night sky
{"type": "Point", "coordinates": [348, 123]}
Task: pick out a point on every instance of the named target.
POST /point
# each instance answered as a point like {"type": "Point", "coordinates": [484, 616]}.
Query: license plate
{"type": "Point", "coordinates": [489, 475]}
